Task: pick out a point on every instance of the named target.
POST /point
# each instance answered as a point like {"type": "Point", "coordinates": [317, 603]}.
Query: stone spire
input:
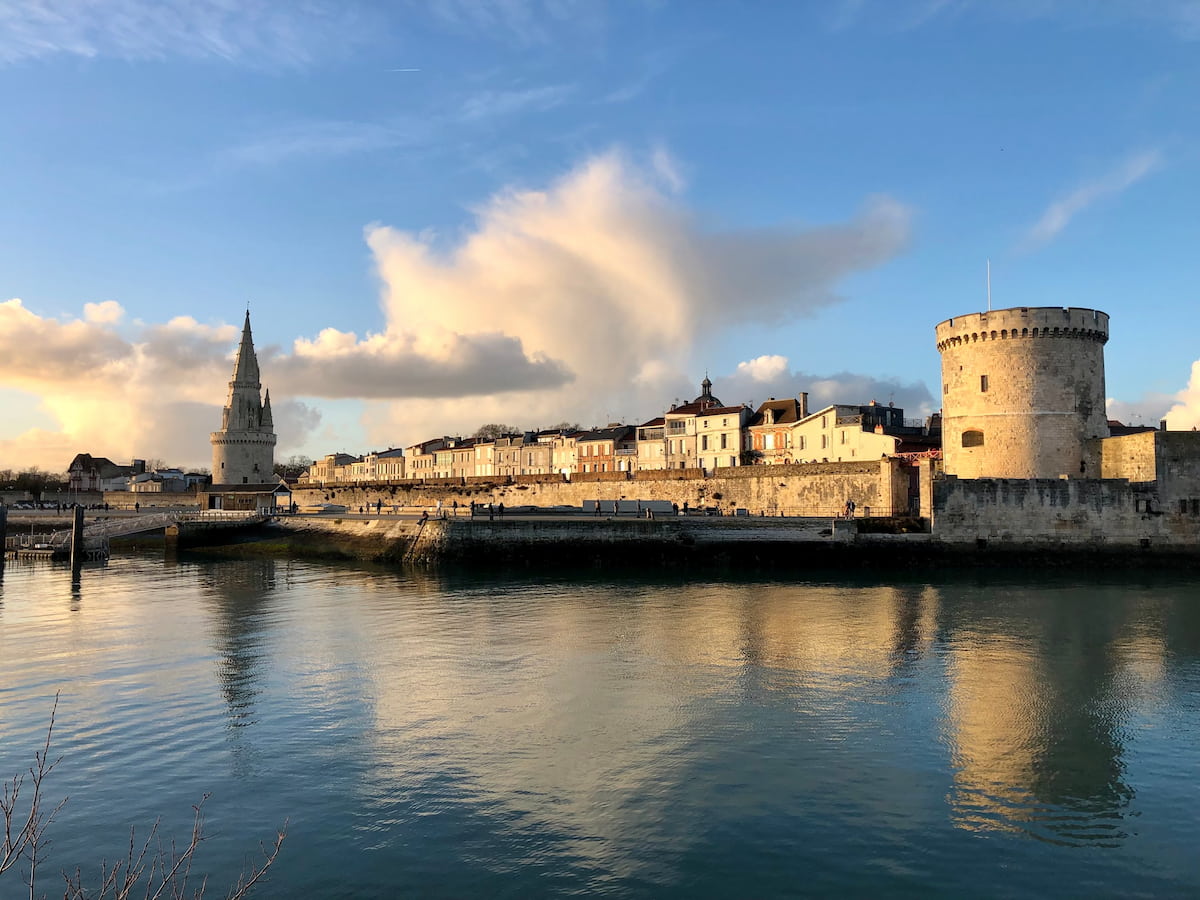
{"type": "Point", "coordinates": [245, 370]}
{"type": "Point", "coordinates": [267, 423]}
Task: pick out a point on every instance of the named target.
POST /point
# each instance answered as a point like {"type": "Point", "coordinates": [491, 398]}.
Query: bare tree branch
{"type": "Point", "coordinates": [161, 872]}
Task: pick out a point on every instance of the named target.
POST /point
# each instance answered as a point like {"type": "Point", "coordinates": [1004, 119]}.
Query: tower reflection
{"type": "Point", "coordinates": [1039, 697]}
{"type": "Point", "coordinates": [240, 598]}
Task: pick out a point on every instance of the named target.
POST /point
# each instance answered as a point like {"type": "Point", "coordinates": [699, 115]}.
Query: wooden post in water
{"type": "Point", "coordinates": [77, 545]}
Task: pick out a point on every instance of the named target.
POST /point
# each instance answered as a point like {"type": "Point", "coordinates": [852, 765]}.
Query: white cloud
{"type": "Point", "coordinates": [763, 368]}
{"type": "Point", "coordinates": [255, 32]}
{"type": "Point", "coordinates": [1180, 17]}
{"type": "Point", "coordinates": [105, 313]}
{"type": "Point", "coordinates": [582, 301]}
{"type": "Point", "coordinates": [1146, 411]}
{"type": "Point", "coordinates": [494, 104]}
{"type": "Point", "coordinates": [154, 393]}
{"type": "Point", "coordinates": [325, 138]}
{"type": "Point", "coordinates": [772, 376]}
{"type": "Point", "coordinates": [1060, 213]}
{"type": "Point", "coordinates": [524, 22]}
{"type": "Point", "coordinates": [1185, 413]}
{"type": "Point", "coordinates": [608, 274]}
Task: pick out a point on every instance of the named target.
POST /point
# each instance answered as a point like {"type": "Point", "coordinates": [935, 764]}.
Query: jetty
{"type": "Point", "coordinates": [190, 526]}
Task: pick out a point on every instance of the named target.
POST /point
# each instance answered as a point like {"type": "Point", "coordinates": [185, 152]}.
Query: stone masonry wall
{"type": "Point", "coordinates": [1064, 511]}
{"type": "Point", "coordinates": [1130, 456]}
{"type": "Point", "coordinates": [818, 489]}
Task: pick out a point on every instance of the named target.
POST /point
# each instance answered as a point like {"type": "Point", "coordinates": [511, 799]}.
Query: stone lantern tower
{"type": "Point", "coordinates": [244, 448]}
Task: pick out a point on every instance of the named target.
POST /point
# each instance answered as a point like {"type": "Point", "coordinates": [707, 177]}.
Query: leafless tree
{"type": "Point", "coordinates": [494, 430]}
{"type": "Point", "coordinates": [25, 825]}
{"type": "Point", "coordinates": [158, 869]}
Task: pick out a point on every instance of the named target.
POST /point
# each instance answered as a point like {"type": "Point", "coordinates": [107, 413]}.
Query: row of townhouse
{"type": "Point", "coordinates": [704, 434]}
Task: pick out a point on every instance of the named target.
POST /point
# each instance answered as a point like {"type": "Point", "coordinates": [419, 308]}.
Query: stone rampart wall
{"type": "Point", "coordinates": [1130, 456]}
{"type": "Point", "coordinates": [150, 500]}
{"type": "Point", "coordinates": [1061, 511]}
{"type": "Point", "coordinates": [822, 490]}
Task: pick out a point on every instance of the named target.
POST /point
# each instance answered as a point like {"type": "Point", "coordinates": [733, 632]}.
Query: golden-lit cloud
{"type": "Point", "coordinates": [582, 301]}
{"type": "Point", "coordinates": [610, 276]}
{"type": "Point", "coordinates": [1185, 413]}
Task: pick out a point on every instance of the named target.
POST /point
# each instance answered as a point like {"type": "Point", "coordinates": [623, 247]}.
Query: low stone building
{"type": "Point", "coordinates": [265, 499]}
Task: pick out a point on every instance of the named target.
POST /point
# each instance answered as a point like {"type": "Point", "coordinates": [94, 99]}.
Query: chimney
{"type": "Point", "coordinates": [803, 404]}
{"type": "Point", "coordinates": [1162, 425]}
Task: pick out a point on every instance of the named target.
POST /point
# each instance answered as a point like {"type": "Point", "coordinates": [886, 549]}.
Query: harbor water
{"type": "Point", "coordinates": [673, 734]}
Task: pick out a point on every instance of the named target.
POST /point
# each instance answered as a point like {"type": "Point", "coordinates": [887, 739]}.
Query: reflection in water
{"type": "Point", "coordinates": [563, 721]}
{"type": "Point", "coordinates": [240, 598]}
{"type": "Point", "coordinates": [1039, 699]}
{"type": "Point", "coordinates": [458, 736]}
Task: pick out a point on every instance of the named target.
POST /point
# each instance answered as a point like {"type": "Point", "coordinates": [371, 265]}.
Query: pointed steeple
{"type": "Point", "coordinates": [245, 370]}
{"type": "Point", "coordinates": [267, 423]}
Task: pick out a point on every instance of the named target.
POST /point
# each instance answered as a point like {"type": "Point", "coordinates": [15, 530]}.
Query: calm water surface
{"type": "Point", "coordinates": [453, 736]}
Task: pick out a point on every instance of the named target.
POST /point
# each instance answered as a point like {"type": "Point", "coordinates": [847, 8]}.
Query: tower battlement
{"type": "Point", "coordinates": [1024, 322]}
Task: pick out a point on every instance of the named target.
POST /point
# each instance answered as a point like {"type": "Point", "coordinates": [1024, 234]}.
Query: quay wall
{"type": "Point", "coordinates": [550, 541]}
{"type": "Point", "coordinates": [808, 489]}
{"type": "Point", "coordinates": [1050, 512]}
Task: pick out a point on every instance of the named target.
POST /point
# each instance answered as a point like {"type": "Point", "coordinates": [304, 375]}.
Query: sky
{"type": "Point", "coordinates": [446, 213]}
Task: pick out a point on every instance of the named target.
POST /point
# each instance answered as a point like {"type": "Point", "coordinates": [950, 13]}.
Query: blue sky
{"type": "Point", "coordinates": [449, 213]}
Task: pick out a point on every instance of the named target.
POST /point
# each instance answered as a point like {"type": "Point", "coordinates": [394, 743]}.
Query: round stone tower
{"type": "Point", "coordinates": [1023, 392]}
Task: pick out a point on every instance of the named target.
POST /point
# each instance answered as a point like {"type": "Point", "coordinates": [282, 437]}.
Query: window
{"type": "Point", "coordinates": [803, 442]}
{"type": "Point", "coordinates": [769, 441]}
{"type": "Point", "coordinates": [983, 384]}
{"type": "Point", "coordinates": [843, 435]}
{"type": "Point", "coordinates": [704, 440]}
{"type": "Point", "coordinates": [972, 438]}
{"type": "Point", "coordinates": [945, 388]}
{"type": "Point", "coordinates": [724, 441]}
{"type": "Point", "coordinates": [824, 441]}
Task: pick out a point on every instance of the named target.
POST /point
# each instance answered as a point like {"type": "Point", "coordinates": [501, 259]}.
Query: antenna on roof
{"type": "Point", "coordinates": [989, 285]}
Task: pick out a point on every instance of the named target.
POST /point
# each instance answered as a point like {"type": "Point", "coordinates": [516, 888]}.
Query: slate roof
{"type": "Point", "coordinates": [619, 433]}
{"type": "Point", "coordinates": [787, 412]}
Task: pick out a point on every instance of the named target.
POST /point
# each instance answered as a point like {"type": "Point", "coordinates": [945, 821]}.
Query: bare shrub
{"type": "Point", "coordinates": [157, 868]}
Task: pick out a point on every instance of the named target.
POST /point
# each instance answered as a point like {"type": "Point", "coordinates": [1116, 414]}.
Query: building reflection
{"type": "Point", "coordinates": [240, 598]}
{"type": "Point", "coordinates": [1039, 698]}
{"type": "Point", "coordinates": [587, 719]}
